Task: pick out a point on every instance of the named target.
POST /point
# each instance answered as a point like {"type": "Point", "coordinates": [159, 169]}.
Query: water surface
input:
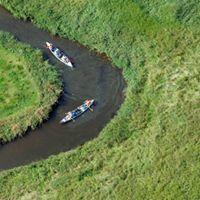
{"type": "Point", "coordinates": [94, 77]}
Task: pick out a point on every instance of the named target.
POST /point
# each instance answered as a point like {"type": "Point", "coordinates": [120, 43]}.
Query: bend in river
{"type": "Point", "coordinates": [93, 77]}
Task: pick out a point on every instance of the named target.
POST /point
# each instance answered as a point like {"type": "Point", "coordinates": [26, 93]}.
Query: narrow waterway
{"type": "Point", "coordinates": [93, 77]}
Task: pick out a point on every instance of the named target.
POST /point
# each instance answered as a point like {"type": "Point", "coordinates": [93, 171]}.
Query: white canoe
{"type": "Point", "coordinates": [59, 54]}
{"type": "Point", "coordinates": [78, 111]}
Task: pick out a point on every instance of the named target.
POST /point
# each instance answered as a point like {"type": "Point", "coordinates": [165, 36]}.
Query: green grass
{"type": "Point", "coordinates": [17, 92]}
{"type": "Point", "coordinates": [150, 150]}
{"type": "Point", "coordinates": [24, 102]}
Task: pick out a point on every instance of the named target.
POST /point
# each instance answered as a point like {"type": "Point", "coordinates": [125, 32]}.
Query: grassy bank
{"type": "Point", "coordinates": [150, 150]}
{"type": "Point", "coordinates": [24, 82]}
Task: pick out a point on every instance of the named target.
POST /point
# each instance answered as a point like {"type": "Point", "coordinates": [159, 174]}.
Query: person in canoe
{"type": "Point", "coordinates": [78, 111]}
{"type": "Point", "coordinates": [59, 54]}
{"type": "Point", "coordinates": [87, 102]}
{"type": "Point", "coordinates": [69, 115]}
{"type": "Point", "coordinates": [49, 45]}
{"type": "Point", "coordinates": [65, 59]}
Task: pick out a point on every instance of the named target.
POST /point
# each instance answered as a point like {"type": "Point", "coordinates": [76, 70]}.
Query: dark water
{"type": "Point", "coordinates": [93, 77]}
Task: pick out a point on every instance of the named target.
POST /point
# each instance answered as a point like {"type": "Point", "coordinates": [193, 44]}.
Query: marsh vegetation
{"type": "Point", "coordinates": [28, 87]}
{"type": "Point", "coordinates": [150, 150]}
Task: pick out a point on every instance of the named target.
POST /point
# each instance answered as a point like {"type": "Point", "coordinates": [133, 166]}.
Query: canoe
{"type": "Point", "coordinates": [71, 115]}
{"type": "Point", "coordinates": [59, 54]}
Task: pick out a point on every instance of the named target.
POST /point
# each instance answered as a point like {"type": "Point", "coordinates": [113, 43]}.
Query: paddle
{"type": "Point", "coordinates": [91, 109]}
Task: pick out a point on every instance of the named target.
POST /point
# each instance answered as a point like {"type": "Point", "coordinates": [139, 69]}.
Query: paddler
{"type": "Point", "coordinates": [87, 102]}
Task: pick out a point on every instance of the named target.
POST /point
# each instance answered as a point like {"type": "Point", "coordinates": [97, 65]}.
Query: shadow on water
{"type": "Point", "coordinates": [93, 77]}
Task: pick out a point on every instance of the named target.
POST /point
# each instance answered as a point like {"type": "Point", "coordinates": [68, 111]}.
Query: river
{"type": "Point", "coordinates": [93, 77]}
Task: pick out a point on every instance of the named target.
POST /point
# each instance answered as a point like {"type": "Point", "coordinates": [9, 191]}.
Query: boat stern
{"type": "Point", "coordinates": [62, 121]}
{"type": "Point", "coordinates": [67, 118]}
{"type": "Point", "coordinates": [70, 65]}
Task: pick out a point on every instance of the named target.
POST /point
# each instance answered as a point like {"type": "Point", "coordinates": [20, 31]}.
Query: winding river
{"type": "Point", "coordinates": [93, 77]}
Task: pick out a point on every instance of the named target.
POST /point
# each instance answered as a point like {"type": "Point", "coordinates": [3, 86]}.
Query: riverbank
{"type": "Point", "coordinates": [150, 149]}
{"type": "Point", "coordinates": [29, 88]}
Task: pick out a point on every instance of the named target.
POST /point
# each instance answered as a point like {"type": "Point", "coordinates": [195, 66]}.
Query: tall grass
{"type": "Point", "coordinates": [150, 150]}
{"type": "Point", "coordinates": [28, 88]}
